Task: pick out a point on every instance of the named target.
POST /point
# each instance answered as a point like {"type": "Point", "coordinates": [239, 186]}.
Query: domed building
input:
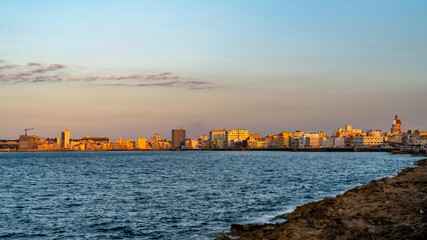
{"type": "Point", "coordinates": [396, 128]}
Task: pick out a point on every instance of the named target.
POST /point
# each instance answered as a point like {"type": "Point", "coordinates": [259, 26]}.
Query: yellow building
{"type": "Point", "coordinates": [347, 131]}
{"type": "Point", "coordinates": [118, 144]}
{"type": "Point", "coordinates": [283, 141]}
{"type": "Point", "coordinates": [396, 127]}
{"type": "Point", "coordinates": [141, 143]}
{"type": "Point", "coordinates": [128, 144]}
{"type": "Point", "coordinates": [65, 139]}
{"type": "Point", "coordinates": [297, 134]}
{"type": "Point", "coordinates": [322, 134]}
{"type": "Point", "coordinates": [236, 135]}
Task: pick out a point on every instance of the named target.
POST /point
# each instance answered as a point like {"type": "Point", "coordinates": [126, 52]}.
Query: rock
{"type": "Point", "coordinates": [390, 208]}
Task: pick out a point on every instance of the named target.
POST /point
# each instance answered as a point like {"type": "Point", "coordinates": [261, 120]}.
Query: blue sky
{"type": "Point", "coordinates": [267, 66]}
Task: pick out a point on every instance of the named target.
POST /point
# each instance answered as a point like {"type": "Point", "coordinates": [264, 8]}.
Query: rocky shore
{"type": "Point", "coordinates": [390, 208]}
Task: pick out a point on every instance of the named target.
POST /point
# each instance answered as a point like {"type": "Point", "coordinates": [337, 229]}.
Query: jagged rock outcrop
{"type": "Point", "coordinates": [390, 208]}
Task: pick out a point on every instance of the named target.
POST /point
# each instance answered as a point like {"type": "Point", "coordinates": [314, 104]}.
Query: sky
{"type": "Point", "coordinates": [136, 68]}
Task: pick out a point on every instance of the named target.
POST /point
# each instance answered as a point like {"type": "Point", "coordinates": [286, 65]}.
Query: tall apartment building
{"type": "Point", "coordinates": [178, 137]}
{"type": "Point", "coordinates": [283, 141]}
{"type": "Point", "coordinates": [65, 139]}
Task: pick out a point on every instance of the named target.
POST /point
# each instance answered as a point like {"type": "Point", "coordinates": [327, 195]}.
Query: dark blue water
{"type": "Point", "coordinates": [169, 195]}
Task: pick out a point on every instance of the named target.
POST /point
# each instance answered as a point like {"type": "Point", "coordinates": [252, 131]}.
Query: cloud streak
{"type": "Point", "coordinates": [193, 85]}
{"type": "Point", "coordinates": [33, 64]}
{"type": "Point", "coordinates": [34, 72]}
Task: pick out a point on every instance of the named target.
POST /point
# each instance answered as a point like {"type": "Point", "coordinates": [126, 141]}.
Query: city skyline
{"type": "Point", "coordinates": [169, 135]}
{"type": "Point", "coordinates": [134, 68]}
{"type": "Point", "coordinates": [344, 139]}
{"type": "Point", "coordinates": [180, 133]}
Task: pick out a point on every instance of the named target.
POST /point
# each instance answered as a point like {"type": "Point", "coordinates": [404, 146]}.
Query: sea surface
{"type": "Point", "coordinates": [169, 195]}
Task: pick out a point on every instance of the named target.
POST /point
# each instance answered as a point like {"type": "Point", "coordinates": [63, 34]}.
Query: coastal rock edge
{"type": "Point", "coordinates": [390, 208]}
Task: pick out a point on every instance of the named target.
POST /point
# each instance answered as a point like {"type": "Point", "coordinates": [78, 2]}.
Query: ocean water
{"type": "Point", "coordinates": [169, 195]}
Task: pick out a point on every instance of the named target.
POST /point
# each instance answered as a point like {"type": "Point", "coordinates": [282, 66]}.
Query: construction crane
{"type": "Point", "coordinates": [27, 129]}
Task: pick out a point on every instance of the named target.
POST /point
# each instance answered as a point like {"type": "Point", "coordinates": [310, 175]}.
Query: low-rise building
{"type": "Point", "coordinates": [347, 131]}
{"type": "Point", "coordinates": [367, 141]}
{"type": "Point", "coordinates": [30, 143]}
{"type": "Point", "coordinates": [190, 144]}
{"type": "Point", "coordinates": [334, 142]}
{"type": "Point", "coordinates": [141, 143]}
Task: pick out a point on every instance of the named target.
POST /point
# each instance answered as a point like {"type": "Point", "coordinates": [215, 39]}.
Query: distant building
{"type": "Point", "coordinates": [202, 138]}
{"type": "Point", "coordinates": [118, 144]}
{"type": "Point", "coordinates": [367, 141]}
{"type": "Point", "coordinates": [97, 139]}
{"type": "Point", "coordinates": [283, 141]}
{"type": "Point", "coordinates": [30, 143]}
{"type": "Point", "coordinates": [178, 137]}
{"type": "Point", "coordinates": [347, 131]}
{"type": "Point", "coordinates": [236, 135]}
{"type": "Point", "coordinates": [141, 143]}
{"type": "Point", "coordinates": [308, 140]}
{"type": "Point", "coordinates": [190, 144]}
{"type": "Point", "coordinates": [217, 138]}
{"type": "Point", "coordinates": [376, 133]}
{"type": "Point", "coordinates": [297, 134]}
{"type": "Point", "coordinates": [334, 142]}
{"type": "Point", "coordinates": [65, 139]}
{"type": "Point", "coordinates": [419, 141]}
{"type": "Point", "coordinates": [312, 141]}
{"type": "Point", "coordinates": [161, 145]}
{"type": "Point", "coordinates": [396, 127]}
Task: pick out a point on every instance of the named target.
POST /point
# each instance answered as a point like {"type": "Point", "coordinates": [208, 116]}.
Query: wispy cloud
{"type": "Point", "coordinates": [9, 66]}
{"type": "Point", "coordinates": [193, 85]}
{"type": "Point", "coordinates": [33, 64]}
{"type": "Point", "coordinates": [34, 72]}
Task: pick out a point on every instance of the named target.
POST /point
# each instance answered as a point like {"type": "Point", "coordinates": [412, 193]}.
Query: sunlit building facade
{"type": "Point", "coordinates": [178, 137]}
{"type": "Point", "coordinates": [396, 127]}
{"type": "Point", "coordinates": [65, 139]}
{"type": "Point", "coordinates": [236, 135]}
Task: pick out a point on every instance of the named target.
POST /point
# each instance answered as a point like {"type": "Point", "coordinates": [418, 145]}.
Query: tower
{"type": "Point", "coordinates": [65, 139]}
{"type": "Point", "coordinates": [178, 137]}
{"type": "Point", "coordinates": [396, 127]}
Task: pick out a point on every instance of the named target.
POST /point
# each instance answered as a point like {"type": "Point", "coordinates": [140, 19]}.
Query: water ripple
{"type": "Point", "coordinates": [169, 195]}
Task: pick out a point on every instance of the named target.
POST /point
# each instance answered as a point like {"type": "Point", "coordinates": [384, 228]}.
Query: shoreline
{"type": "Point", "coordinates": [232, 150]}
{"type": "Point", "coordinates": [389, 208]}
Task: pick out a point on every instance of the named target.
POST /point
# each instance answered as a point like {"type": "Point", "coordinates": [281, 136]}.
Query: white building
{"type": "Point", "coordinates": [308, 140]}
{"type": "Point", "coordinates": [334, 142]}
{"type": "Point", "coordinates": [367, 141]}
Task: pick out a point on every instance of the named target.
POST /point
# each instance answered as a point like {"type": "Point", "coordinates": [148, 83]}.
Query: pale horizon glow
{"type": "Point", "coordinates": [135, 68]}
